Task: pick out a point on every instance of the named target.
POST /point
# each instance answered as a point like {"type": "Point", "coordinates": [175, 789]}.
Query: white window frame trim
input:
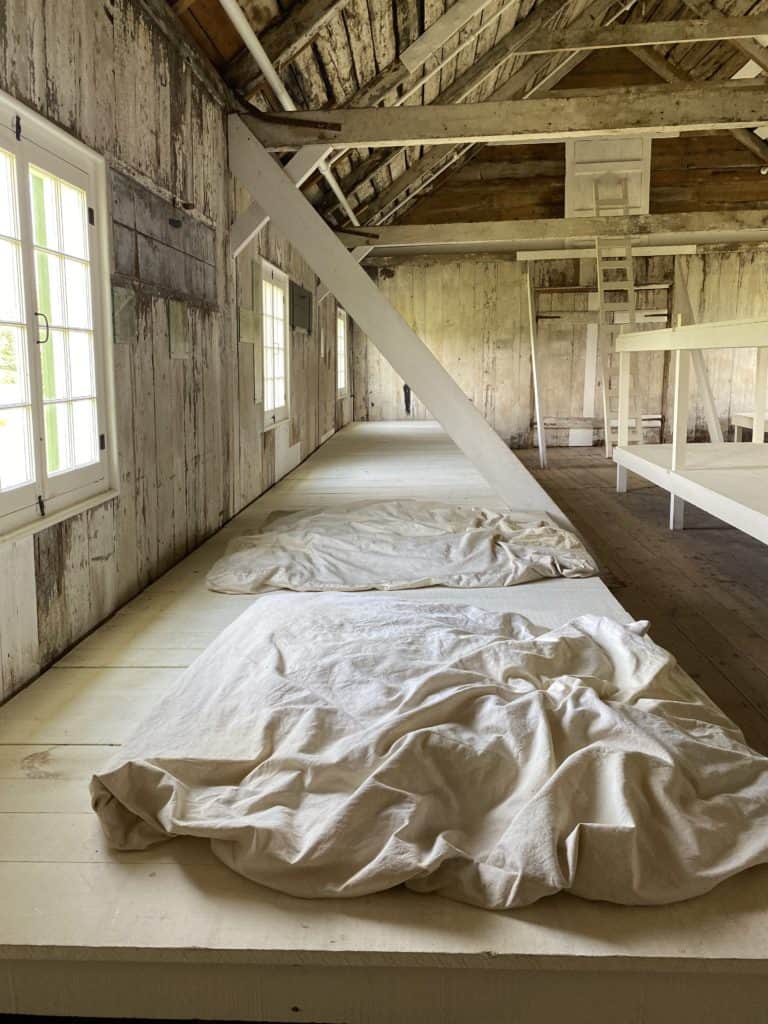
{"type": "Point", "coordinates": [63, 147]}
{"type": "Point", "coordinates": [269, 271]}
{"type": "Point", "coordinates": [342, 392]}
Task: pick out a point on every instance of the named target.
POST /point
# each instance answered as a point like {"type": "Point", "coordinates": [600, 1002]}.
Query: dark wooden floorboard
{"type": "Point", "coordinates": [704, 589]}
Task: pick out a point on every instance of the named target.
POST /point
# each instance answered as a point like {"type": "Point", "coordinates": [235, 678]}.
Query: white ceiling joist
{"type": "Point", "coordinates": [630, 110]}
{"type": "Point", "coordinates": [301, 225]}
{"type": "Point", "coordinates": [649, 33]}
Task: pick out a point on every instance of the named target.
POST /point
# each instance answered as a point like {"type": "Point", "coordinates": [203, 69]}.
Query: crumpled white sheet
{"type": "Point", "coordinates": [396, 545]}
{"type": "Point", "coordinates": [330, 745]}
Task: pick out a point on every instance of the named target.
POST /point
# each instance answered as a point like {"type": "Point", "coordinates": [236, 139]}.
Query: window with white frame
{"type": "Point", "coordinates": [274, 334]}
{"type": "Point", "coordinates": [341, 351]}
{"type": "Point", "coordinates": [53, 393]}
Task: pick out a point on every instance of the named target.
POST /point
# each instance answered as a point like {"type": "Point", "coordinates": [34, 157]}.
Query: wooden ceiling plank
{"type": "Point", "coordinates": [651, 33]}
{"type": "Point", "coordinates": [181, 6]}
{"type": "Point", "coordinates": [439, 33]}
{"type": "Point", "coordinates": [283, 41]}
{"type": "Point", "coordinates": [752, 48]}
{"type": "Point", "coordinates": [626, 111]}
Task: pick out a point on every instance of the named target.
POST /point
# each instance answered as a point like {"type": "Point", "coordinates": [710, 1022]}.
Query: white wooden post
{"type": "Point", "coordinates": [541, 438]}
{"type": "Point", "coordinates": [624, 381]}
{"type": "Point", "coordinates": [603, 342]}
{"type": "Point", "coordinates": [761, 385]}
{"type": "Point", "coordinates": [676, 512]}
{"type": "Point", "coordinates": [680, 409]}
{"type": "Point", "coordinates": [300, 224]}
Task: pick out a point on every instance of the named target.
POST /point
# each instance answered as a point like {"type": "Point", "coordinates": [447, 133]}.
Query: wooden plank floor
{"type": "Point", "coordinates": [172, 932]}
{"type": "Point", "coordinates": [705, 588]}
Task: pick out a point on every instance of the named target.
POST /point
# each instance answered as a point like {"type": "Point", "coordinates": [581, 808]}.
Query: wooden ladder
{"type": "Point", "coordinates": [616, 294]}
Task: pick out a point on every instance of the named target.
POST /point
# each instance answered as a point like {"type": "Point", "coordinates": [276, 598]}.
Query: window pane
{"type": "Point", "coordinates": [11, 304]}
{"type": "Point", "coordinates": [267, 298]}
{"type": "Point", "coordinates": [53, 364]}
{"type": "Point", "coordinates": [85, 432]}
{"type": "Point", "coordinates": [81, 375]}
{"type": "Point", "coordinates": [74, 213]}
{"type": "Point", "coordinates": [50, 298]}
{"type": "Point", "coordinates": [16, 460]}
{"type": "Point", "coordinates": [279, 303]}
{"type": "Point", "coordinates": [9, 214]}
{"type": "Point", "coordinates": [45, 227]}
{"type": "Point", "coordinates": [13, 366]}
{"type": "Point", "coordinates": [78, 294]}
{"type": "Point", "coordinates": [58, 439]}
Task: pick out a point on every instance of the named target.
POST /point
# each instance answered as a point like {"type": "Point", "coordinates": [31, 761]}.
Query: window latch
{"type": "Point", "coordinates": [46, 325]}
{"type": "Point", "coordinates": [17, 128]}
{"type": "Point", "coordinates": [41, 504]}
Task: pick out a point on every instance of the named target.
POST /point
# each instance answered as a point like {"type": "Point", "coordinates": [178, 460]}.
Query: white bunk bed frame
{"type": "Point", "coordinates": [730, 481]}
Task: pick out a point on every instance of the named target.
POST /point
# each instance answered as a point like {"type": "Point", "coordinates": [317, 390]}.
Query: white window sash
{"type": "Point", "coordinates": [52, 494]}
{"type": "Point", "coordinates": [273, 276]}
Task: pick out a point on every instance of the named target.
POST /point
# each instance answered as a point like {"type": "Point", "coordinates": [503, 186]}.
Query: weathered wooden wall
{"type": "Point", "coordinates": [191, 448]}
{"type": "Point", "coordinates": [472, 313]}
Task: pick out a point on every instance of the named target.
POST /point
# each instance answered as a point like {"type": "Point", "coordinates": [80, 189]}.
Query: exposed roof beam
{"type": "Point", "coordinates": [486, 65]}
{"type": "Point", "coordinates": [630, 110]}
{"type": "Point", "coordinates": [182, 5]}
{"type": "Point", "coordinates": [659, 229]}
{"type": "Point", "coordinates": [751, 47]}
{"type": "Point", "coordinates": [649, 33]}
{"type": "Point", "coordinates": [675, 75]}
{"type": "Point", "coordinates": [441, 31]}
{"type": "Point", "coordinates": [421, 170]}
{"type": "Point", "coordinates": [283, 41]}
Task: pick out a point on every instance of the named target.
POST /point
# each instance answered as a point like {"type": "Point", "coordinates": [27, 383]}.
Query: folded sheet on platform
{"type": "Point", "coordinates": [397, 545]}
{"type": "Point", "coordinates": [331, 745]}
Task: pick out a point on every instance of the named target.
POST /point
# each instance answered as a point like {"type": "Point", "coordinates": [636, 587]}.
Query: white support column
{"type": "Point", "coordinates": [621, 479]}
{"type": "Point", "coordinates": [541, 437]}
{"type": "Point", "coordinates": [301, 225]}
{"type": "Point", "coordinates": [676, 513]}
{"type": "Point", "coordinates": [680, 409]}
{"type": "Point", "coordinates": [251, 221]}
{"type": "Point", "coordinates": [761, 386]}
{"type": "Point", "coordinates": [358, 255]}
{"type": "Point", "coordinates": [624, 382]}
{"type": "Point", "coordinates": [705, 390]}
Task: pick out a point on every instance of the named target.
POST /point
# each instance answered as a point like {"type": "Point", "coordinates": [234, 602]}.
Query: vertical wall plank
{"type": "Point", "coordinates": [19, 648]}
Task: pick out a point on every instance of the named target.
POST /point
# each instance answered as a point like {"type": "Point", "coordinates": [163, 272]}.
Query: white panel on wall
{"type": "Point", "coordinates": [589, 159]}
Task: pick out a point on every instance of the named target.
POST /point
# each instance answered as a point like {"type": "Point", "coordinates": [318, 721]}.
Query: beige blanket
{"type": "Point", "coordinates": [330, 745]}
{"type": "Point", "coordinates": [396, 545]}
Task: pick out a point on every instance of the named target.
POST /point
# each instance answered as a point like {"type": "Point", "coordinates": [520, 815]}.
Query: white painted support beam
{"type": "Point", "coordinates": [658, 229]}
{"type": "Point", "coordinates": [541, 437]}
{"type": "Point", "coordinates": [676, 512]}
{"type": "Point", "coordinates": [719, 334]}
{"type": "Point", "coordinates": [622, 479]}
{"type": "Point", "coordinates": [629, 110]}
{"type": "Point", "coordinates": [250, 222]}
{"type": "Point", "coordinates": [524, 255]}
{"type": "Point", "coordinates": [624, 385]}
{"type": "Point", "coordinates": [682, 395]}
{"type": "Point", "coordinates": [358, 255]}
{"type": "Point", "coordinates": [761, 387]}
{"type": "Point", "coordinates": [297, 222]}
{"type": "Point", "coordinates": [648, 33]}
{"type": "Point", "coordinates": [444, 28]}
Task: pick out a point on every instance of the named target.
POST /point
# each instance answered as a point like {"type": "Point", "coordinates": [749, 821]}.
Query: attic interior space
{"type": "Point", "coordinates": [384, 511]}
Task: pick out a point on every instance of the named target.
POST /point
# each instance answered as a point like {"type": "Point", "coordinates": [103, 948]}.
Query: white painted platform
{"type": "Point", "coordinates": [728, 480]}
{"type": "Point", "coordinates": [172, 933]}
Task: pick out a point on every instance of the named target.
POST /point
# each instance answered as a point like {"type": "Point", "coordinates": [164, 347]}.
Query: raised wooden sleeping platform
{"type": "Point", "coordinates": [172, 933]}
{"type": "Point", "coordinates": [728, 480]}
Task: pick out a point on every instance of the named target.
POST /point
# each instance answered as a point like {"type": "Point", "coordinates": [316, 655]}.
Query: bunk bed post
{"type": "Point", "coordinates": [680, 431]}
{"type": "Point", "coordinates": [761, 384]}
{"type": "Point", "coordinates": [623, 426]}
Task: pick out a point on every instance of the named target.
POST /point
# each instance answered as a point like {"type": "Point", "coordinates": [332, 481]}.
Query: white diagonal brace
{"type": "Point", "coordinates": [297, 221]}
{"type": "Point", "coordinates": [683, 299]}
{"type": "Point", "coordinates": [358, 255]}
{"type": "Point", "coordinates": [250, 222]}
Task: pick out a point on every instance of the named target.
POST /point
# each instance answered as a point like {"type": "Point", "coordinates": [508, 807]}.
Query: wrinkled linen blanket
{"type": "Point", "coordinates": [396, 545]}
{"type": "Point", "coordinates": [330, 745]}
